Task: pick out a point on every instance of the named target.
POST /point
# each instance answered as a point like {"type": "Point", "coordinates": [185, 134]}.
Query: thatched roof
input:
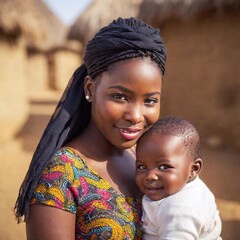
{"type": "Point", "coordinates": [155, 12]}
{"type": "Point", "coordinates": [33, 20]}
{"type": "Point", "coordinates": [98, 14]}
{"type": "Point", "coordinates": [13, 19]}
{"type": "Point", "coordinates": [54, 27]}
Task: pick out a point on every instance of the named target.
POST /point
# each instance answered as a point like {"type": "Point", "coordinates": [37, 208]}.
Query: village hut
{"type": "Point", "coordinates": [56, 58]}
{"type": "Point", "coordinates": [98, 14]}
{"type": "Point", "coordinates": [202, 82]}
{"type": "Point", "coordinates": [32, 43]}
{"type": "Point", "coordinates": [18, 27]}
{"type": "Point", "coordinates": [38, 67]}
{"type": "Point", "coordinates": [40, 70]}
{"type": "Point", "coordinates": [63, 60]}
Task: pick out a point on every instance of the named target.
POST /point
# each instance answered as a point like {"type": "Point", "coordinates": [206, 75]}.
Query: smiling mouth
{"type": "Point", "coordinates": [153, 190]}
{"type": "Point", "coordinates": [129, 134]}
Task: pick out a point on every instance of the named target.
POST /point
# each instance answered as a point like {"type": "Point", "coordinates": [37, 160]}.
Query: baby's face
{"type": "Point", "coordinates": [163, 165]}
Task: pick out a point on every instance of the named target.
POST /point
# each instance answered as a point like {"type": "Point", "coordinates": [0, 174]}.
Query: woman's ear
{"type": "Point", "coordinates": [89, 86]}
{"type": "Point", "coordinates": [195, 169]}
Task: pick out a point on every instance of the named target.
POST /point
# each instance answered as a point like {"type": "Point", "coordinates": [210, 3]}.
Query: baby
{"type": "Point", "coordinates": [176, 203]}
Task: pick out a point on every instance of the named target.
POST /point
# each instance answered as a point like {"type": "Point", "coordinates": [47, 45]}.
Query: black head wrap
{"type": "Point", "coordinates": [123, 39]}
{"type": "Point", "coordinates": [120, 40]}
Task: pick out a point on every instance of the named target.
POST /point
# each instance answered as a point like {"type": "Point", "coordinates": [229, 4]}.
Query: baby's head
{"type": "Point", "coordinates": [168, 157]}
{"type": "Point", "coordinates": [178, 127]}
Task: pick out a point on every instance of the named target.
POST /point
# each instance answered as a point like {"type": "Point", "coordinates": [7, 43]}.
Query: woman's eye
{"type": "Point", "coordinates": [119, 96]}
{"type": "Point", "coordinates": [151, 101]}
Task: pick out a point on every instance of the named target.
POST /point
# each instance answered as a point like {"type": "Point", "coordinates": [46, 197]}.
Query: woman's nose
{"type": "Point", "coordinates": [152, 175]}
{"type": "Point", "coordinates": [134, 113]}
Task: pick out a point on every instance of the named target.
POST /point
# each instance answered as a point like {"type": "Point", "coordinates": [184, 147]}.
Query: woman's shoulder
{"type": "Point", "coordinates": [67, 156]}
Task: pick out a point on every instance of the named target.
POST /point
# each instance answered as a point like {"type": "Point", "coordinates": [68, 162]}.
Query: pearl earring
{"type": "Point", "coordinates": [87, 97]}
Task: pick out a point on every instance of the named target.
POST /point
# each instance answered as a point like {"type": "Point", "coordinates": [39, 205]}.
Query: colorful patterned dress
{"type": "Point", "coordinates": [101, 212]}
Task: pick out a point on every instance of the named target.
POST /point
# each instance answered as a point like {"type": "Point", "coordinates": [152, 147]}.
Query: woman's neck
{"type": "Point", "coordinates": [92, 144]}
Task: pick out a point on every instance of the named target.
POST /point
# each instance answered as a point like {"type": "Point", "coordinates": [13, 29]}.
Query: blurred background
{"type": "Point", "coordinates": [42, 43]}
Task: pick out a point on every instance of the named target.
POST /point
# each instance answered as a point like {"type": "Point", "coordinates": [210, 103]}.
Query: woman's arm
{"type": "Point", "coordinates": [50, 223]}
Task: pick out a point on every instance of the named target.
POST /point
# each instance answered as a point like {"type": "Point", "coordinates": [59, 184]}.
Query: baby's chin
{"type": "Point", "coordinates": [155, 195]}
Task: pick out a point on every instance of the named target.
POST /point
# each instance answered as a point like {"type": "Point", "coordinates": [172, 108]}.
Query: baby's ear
{"type": "Point", "coordinates": [196, 168]}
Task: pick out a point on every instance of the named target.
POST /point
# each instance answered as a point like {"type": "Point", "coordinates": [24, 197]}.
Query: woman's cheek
{"type": "Point", "coordinates": [153, 115]}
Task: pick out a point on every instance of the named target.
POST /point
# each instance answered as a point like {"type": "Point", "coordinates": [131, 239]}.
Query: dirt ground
{"type": "Point", "coordinates": [220, 172]}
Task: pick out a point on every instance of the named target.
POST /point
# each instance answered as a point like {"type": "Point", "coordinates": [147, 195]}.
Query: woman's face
{"type": "Point", "coordinates": [125, 101]}
{"type": "Point", "coordinates": [163, 165]}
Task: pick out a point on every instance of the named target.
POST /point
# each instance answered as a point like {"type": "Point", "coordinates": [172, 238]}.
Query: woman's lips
{"type": "Point", "coordinates": [129, 133]}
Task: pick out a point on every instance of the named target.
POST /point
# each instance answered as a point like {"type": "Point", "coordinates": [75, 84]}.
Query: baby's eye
{"type": "Point", "coordinates": [163, 167]}
{"type": "Point", "coordinates": [141, 167]}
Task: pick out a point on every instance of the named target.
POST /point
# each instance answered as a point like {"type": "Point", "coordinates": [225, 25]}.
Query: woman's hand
{"type": "Point", "coordinates": [49, 223]}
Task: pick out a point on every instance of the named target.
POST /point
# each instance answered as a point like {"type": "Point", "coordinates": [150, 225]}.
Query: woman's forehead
{"type": "Point", "coordinates": [134, 72]}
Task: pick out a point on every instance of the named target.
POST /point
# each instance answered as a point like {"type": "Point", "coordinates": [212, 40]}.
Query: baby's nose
{"type": "Point", "coordinates": [152, 175]}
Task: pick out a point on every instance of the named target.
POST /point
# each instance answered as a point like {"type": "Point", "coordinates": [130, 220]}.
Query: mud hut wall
{"type": "Point", "coordinates": [37, 72]}
{"type": "Point", "coordinates": [13, 98]}
{"type": "Point", "coordinates": [203, 75]}
{"type": "Point", "coordinates": [65, 63]}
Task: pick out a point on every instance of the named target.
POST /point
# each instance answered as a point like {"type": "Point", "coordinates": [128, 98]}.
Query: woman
{"type": "Point", "coordinates": [80, 183]}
